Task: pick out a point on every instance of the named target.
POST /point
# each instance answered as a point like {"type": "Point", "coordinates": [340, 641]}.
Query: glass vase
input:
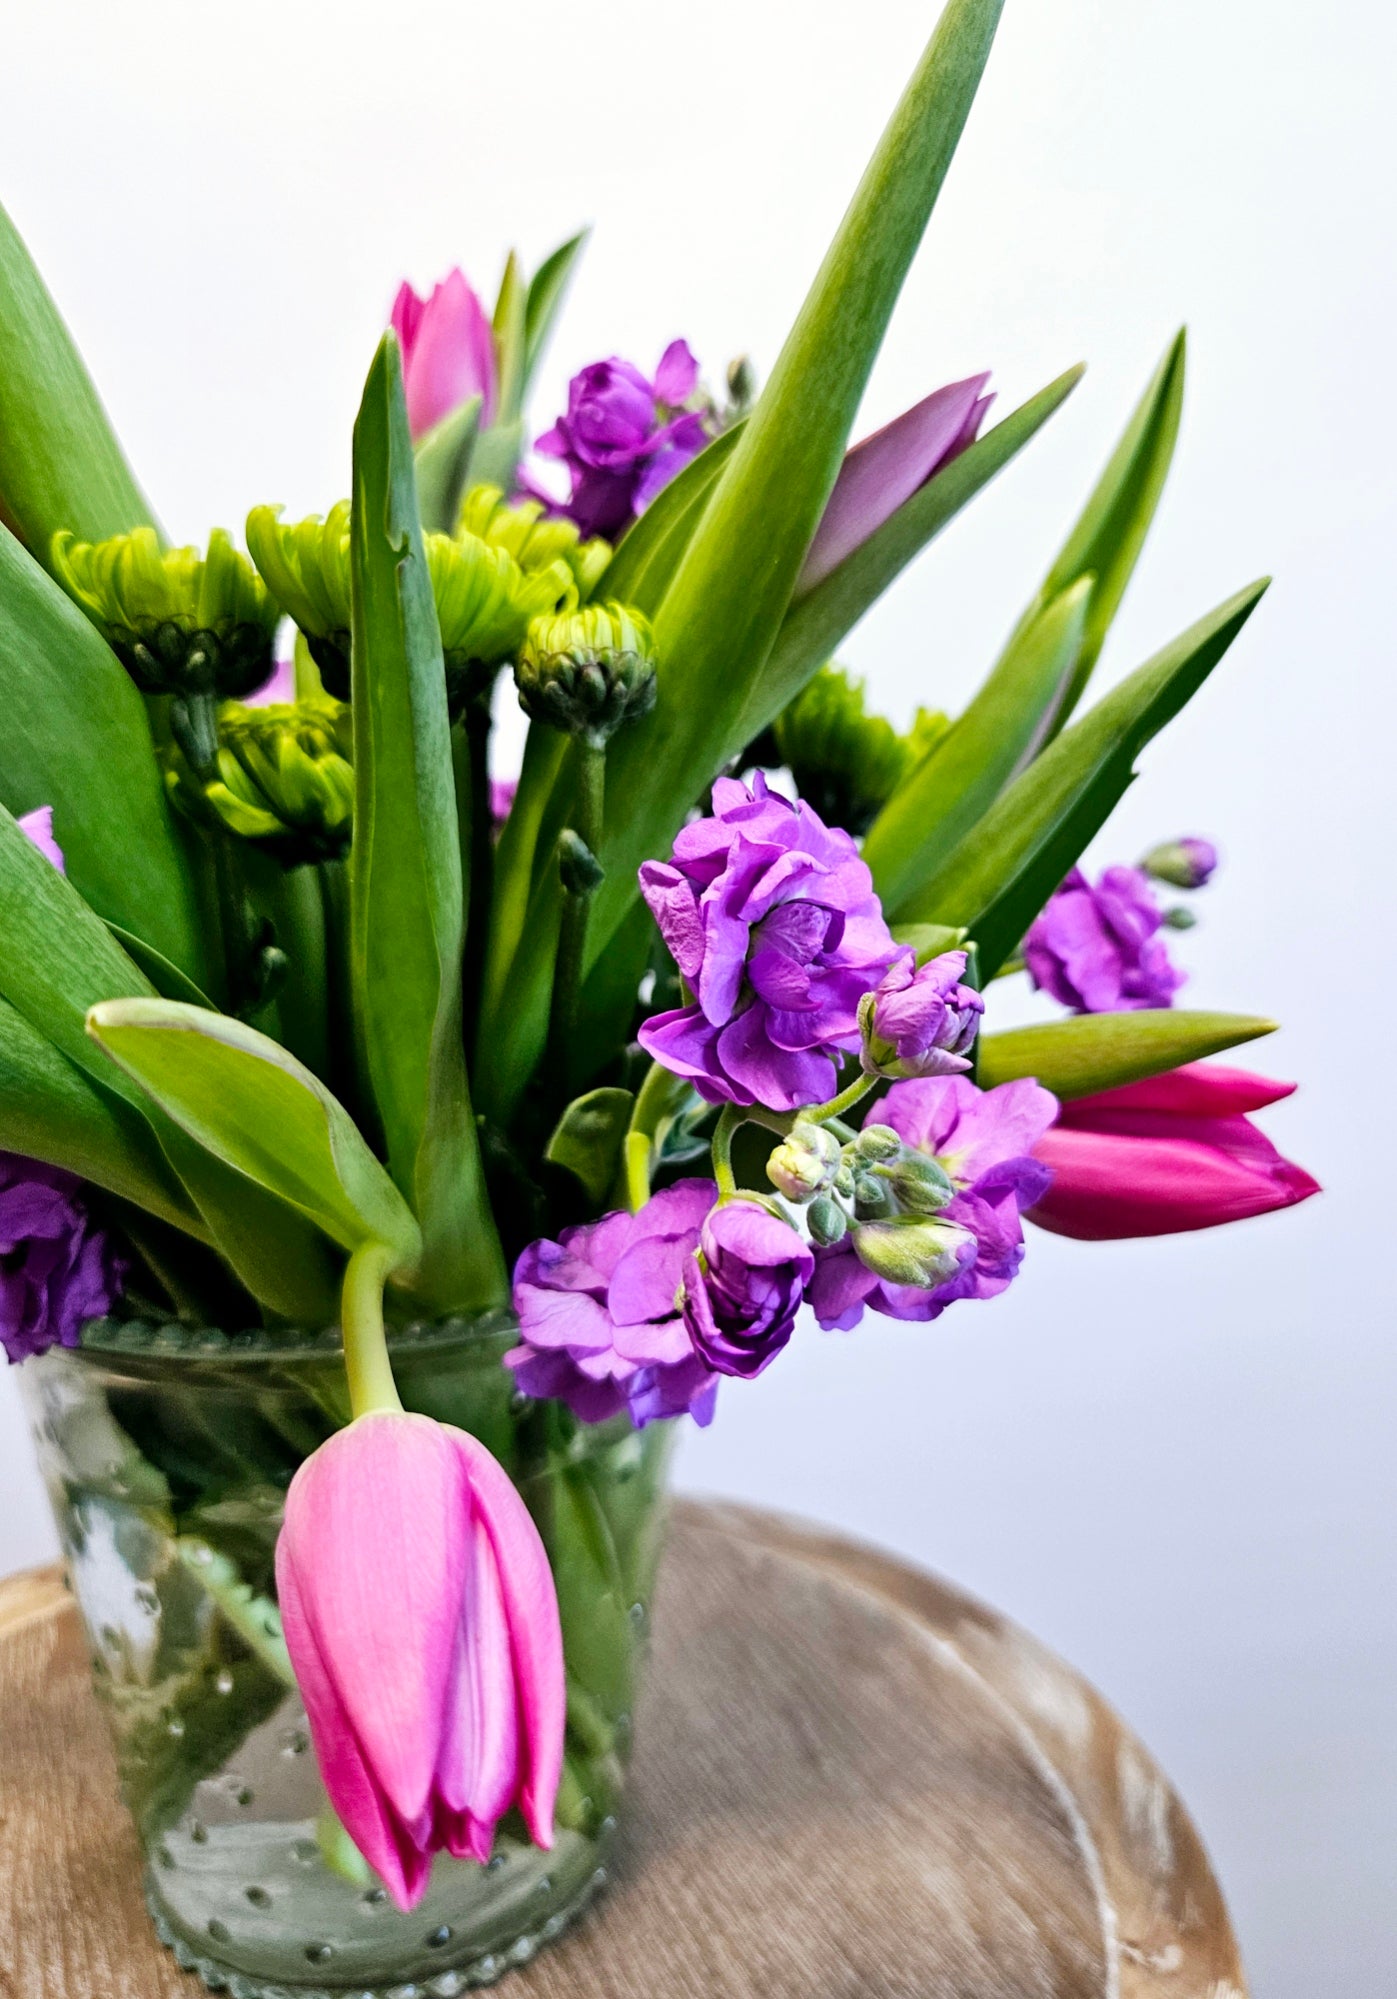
{"type": "Point", "coordinates": [167, 1454]}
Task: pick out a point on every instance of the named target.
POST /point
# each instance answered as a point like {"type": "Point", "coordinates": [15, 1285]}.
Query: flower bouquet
{"type": "Point", "coordinates": [395, 1149]}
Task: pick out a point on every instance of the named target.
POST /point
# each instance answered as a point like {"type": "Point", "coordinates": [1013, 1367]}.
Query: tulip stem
{"type": "Point", "coordinates": [836, 1107]}
{"type": "Point", "coordinates": [366, 1363]}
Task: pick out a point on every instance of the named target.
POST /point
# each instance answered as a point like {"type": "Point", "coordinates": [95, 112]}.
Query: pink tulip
{"type": "Point", "coordinates": [422, 1623]}
{"type": "Point", "coordinates": [1174, 1152]}
{"type": "Point", "coordinates": [448, 352]}
{"type": "Point", "coordinates": [37, 827]}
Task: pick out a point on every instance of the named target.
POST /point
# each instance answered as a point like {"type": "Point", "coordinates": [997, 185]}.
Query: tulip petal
{"type": "Point", "coordinates": [1109, 1185]}
{"type": "Point", "coordinates": [1198, 1089]}
{"type": "Point", "coordinates": [884, 470]}
{"type": "Point", "coordinates": [536, 1639]}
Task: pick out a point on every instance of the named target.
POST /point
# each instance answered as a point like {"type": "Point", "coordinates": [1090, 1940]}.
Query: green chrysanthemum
{"type": "Point", "coordinates": [533, 537]}
{"type": "Point", "coordinates": [285, 779]}
{"type": "Point", "coordinates": [588, 671]}
{"type": "Point", "coordinates": [306, 569]}
{"type": "Point", "coordinates": [846, 762]}
{"type": "Point", "coordinates": [180, 620]}
{"type": "Point", "coordinates": [485, 605]}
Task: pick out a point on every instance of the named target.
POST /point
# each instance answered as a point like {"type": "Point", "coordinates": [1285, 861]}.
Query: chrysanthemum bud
{"type": "Point", "coordinates": [306, 569]}
{"type": "Point", "coordinates": [906, 1249]}
{"type": "Point", "coordinates": [846, 762]}
{"type": "Point", "coordinates": [806, 1163]}
{"type": "Point", "coordinates": [284, 779]}
{"type": "Point", "coordinates": [180, 622]}
{"type": "Point", "coordinates": [485, 605]}
{"type": "Point", "coordinates": [1186, 863]}
{"type": "Point", "coordinates": [588, 671]}
{"type": "Point", "coordinates": [533, 537]}
{"type": "Point", "coordinates": [827, 1221]}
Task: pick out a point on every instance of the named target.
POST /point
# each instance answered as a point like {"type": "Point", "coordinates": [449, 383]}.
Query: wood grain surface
{"type": "Point", "coordinates": [850, 1779]}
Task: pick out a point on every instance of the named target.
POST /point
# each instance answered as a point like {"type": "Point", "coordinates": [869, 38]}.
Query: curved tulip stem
{"type": "Point", "coordinates": [371, 1384]}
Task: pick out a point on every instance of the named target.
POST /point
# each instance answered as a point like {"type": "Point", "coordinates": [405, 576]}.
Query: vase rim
{"type": "Point", "coordinates": [150, 1339]}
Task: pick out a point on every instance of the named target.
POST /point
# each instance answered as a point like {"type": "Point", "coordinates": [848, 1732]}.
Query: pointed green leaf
{"type": "Point", "coordinates": [820, 619]}
{"type": "Point", "coordinates": [509, 323]}
{"type": "Point", "coordinates": [998, 734]}
{"type": "Point", "coordinates": [405, 867]}
{"type": "Point", "coordinates": [50, 1110]}
{"type": "Point", "coordinates": [1101, 1051]}
{"type": "Point", "coordinates": [76, 738]}
{"type": "Point", "coordinates": [640, 570]}
{"type": "Point", "coordinates": [168, 980]}
{"type": "Point", "coordinates": [1007, 866]}
{"type": "Point", "coordinates": [1111, 530]}
{"type": "Point", "coordinates": [442, 459]}
{"type": "Point", "coordinates": [547, 290]}
{"type": "Point", "coordinates": [587, 1138]}
{"type": "Point", "coordinates": [494, 458]}
{"type": "Point", "coordinates": [243, 1098]}
{"type": "Point", "coordinates": [60, 463]}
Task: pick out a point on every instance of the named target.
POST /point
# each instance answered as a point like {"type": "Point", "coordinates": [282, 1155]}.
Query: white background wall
{"type": "Point", "coordinates": [1174, 1459]}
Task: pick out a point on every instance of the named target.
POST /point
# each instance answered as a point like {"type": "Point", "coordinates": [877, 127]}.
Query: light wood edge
{"type": "Point", "coordinates": [30, 1595]}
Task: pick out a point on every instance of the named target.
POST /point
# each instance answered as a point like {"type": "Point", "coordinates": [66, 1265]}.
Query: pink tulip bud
{"type": "Point", "coordinates": [448, 352]}
{"type": "Point", "coordinates": [1174, 1152]}
{"type": "Point", "coordinates": [421, 1619]}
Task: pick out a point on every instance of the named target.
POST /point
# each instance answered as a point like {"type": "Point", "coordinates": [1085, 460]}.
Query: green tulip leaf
{"type": "Point", "coordinates": [60, 463]}
{"type": "Point", "coordinates": [242, 1098]}
{"type": "Point", "coordinates": [1101, 1051]}
{"type": "Point", "coordinates": [442, 459]}
{"type": "Point", "coordinates": [547, 290]}
{"type": "Point", "coordinates": [405, 888]}
{"type": "Point", "coordinates": [955, 785]}
{"type": "Point", "coordinates": [640, 570]}
{"type": "Point", "coordinates": [928, 940]}
{"type": "Point", "coordinates": [1006, 867]}
{"type": "Point", "coordinates": [511, 308]}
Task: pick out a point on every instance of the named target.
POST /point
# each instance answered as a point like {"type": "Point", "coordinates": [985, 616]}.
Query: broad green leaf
{"type": "Point", "coordinates": [50, 1110]}
{"type": "Point", "coordinates": [60, 463]}
{"type": "Point", "coordinates": [820, 619]}
{"type": "Point", "coordinates": [723, 607]}
{"type": "Point", "coordinates": [1007, 866]}
{"type": "Point", "coordinates": [999, 733]}
{"type": "Point", "coordinates": [509, 326]}
{"type": "Point", "coordinates": [245, 1100]}
{"type": "Point", "coordinates": [76, 738]}
{"type": "Point", "coordinates": [547, 290]}
{"type": "Point", "coordinates": [587, 1138]}
{"type": "Point", "coordinates": [442, 459]}
{"type": "Point", "coordinates": [405, 867]}
{"type": "Point", "coordinates": [640, 570]}
{"type": "Point", "coordinates": [1101, 1051]}
{"type": "Point", "coordinates": [1110, 532]}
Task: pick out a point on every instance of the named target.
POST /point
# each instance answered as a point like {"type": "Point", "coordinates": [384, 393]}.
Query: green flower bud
{"type": "Point", "coordinates": [742, 386]}
{"type": "Point", "coordinates": [578, 866]}
{"type": "Point", "coordinates": [588, 671]}
{"type": "Point", "coordinates": [284, 779]}
{"type": "Point", "coordinates": [872, 1195]}
{"type": "Point", "coordinates": [306, 568]}
{"type": "Point", "coordinates": [827, 1221]}
{"type": "Point", "coordinates": [919, 1184]}
{"type": "Point", "coordinates": [179, 621]}
{"type": "Point", "coordinates": [846, 762]}
{"type": "Point", "coordinates": [806, 1163]}
{"type": "Point", "coordinates": [485, 605]}
{"type": "Point", "coordinates": [877, 1141]}
{"type": "Point", "coordinates": [534, 538]}
{"type": "Point", "coordinates": [905, 1249]}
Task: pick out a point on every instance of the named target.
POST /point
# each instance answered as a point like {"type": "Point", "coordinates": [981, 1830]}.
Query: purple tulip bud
{"type": "Point", "coordinates": [920, 1021]}
{"type": "Point", "coordinates": [742, 1294]}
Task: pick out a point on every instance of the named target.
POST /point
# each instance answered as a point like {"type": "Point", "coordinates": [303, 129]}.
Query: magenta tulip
{"type": "Point", "coordinates": [448, 352]}
{"type": "Point", "coordinates": [1175, 1152]}
{"type": "Point", "coordinates": [422, 1624]}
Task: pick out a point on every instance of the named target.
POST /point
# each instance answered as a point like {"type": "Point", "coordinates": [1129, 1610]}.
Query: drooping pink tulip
{"type": "Point", "coordinates": [448, 352]}
{"type": "Point", "coordinates": [1175, 1152]}
{"type": "Point", "coordinates": [422, 1622]}
{"type": "Point", "coordinates": [885, 470]}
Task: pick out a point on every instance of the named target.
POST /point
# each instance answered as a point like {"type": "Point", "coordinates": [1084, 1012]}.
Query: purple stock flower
{"type": "Point", "coordinates": [920, 1022]}
{"type": "Point", "coordinates": [624, 437]}
{"type": "Point", "coordinates": [37, 827]}
{"type": "Point", "coordinates": [742, 1294]}
{"type": "Point", "coordinates": [1096, 949]}
{"type": "Point", "coordinates": [502, 790]}
{"type": "Point", "coordinates": [599, 1315]}
{"type": "Point", "coordinates": [57, 1268]}
{"type": "Point", "coordinates": [771, 917]}
{"type": "Point", "coordinates": [448, 352]}
{"type": "Point", "coordinates": [984, 1141]}
{"type": "Point", "coordinates": [883, 471]}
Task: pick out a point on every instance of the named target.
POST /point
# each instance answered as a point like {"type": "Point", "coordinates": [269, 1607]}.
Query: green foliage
{"type": "Point", "coordinates": [405, 868]}
{"type": "Point", "coordinates": [60, 463]}
{"type": "Point", "coordinates": [1101, 1051]}
{"type": "Point", "coordinates": [1007, 866]}
{"type": "Point", "coordinates": [442, 459]}
{"type": "Point", "coordinates": [587, 1139]}
{"type": "Point", "coordinates": [846, 763]}
{"type": "Point", "coordinates": [547, 290]}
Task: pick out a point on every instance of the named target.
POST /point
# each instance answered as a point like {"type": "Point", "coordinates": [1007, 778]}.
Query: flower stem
{"type": "Point", "coordinates": [845, 1101]}
{"type": "Point", "coordinates": [481, 859]}
{"type": "Point", "coordinates": [366, 1363]}
{"type": "Point", "coordinates": [577, 907]}
{"type": "Point", "coordinates": [723, 1136]}
{"type": "Point", "coordinates": [637, 1170]}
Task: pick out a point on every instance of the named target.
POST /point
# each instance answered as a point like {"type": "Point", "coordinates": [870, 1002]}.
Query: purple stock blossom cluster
{"type": "Point", "coordinates": [623, 436]}
{"type": "Point", "coordinates": [1097, 948]}
{"type": "Point", "coordinates": [57, 1268]}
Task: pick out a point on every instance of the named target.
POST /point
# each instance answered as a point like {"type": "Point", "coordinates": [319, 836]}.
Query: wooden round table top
{"type": "Point", "coordinates": [850, 1779]}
